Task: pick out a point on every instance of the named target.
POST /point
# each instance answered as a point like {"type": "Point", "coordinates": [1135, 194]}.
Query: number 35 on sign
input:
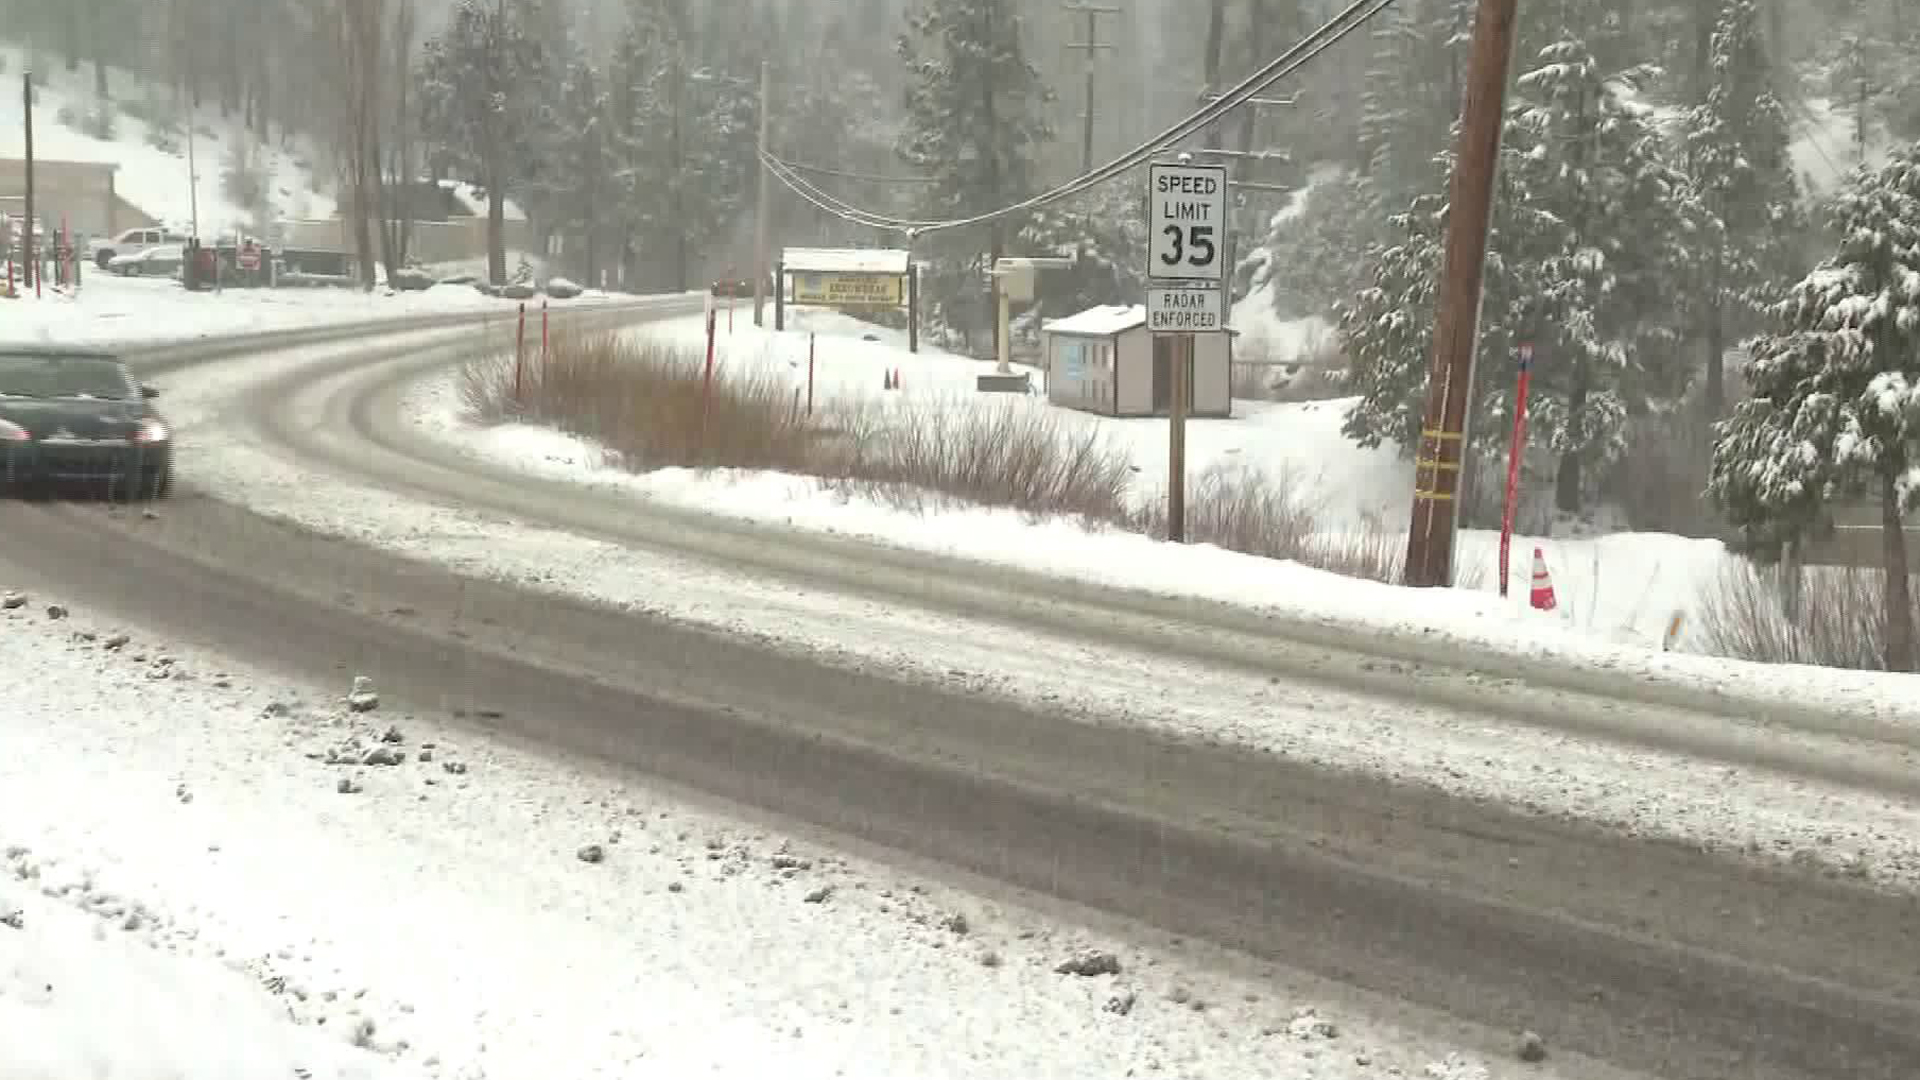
{"type": "Point", "coordinates": [1189, 215]}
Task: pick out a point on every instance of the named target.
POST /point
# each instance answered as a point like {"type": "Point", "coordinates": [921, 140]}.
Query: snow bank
{"type": "Point", "coordinates": [83, 994]}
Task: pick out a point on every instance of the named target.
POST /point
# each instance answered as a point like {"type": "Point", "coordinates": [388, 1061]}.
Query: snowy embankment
{"type": "Point", "coordinates": [210, 874]}
{"type": "Point", "coordinates": [1617, 594]}
{"type": "Point", "coordinates": [153, 178]}
{"type": "Point", "coordinates": [1765, 814]}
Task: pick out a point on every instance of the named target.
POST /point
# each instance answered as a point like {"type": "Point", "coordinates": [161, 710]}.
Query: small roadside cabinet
{"type": "Point", "coordinates": [1104, 360]}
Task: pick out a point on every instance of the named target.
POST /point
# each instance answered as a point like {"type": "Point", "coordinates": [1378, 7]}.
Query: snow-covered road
{"type": "Point", "coordinates": [1752, 810]}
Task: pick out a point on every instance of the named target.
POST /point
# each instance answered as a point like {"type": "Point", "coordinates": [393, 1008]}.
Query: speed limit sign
{"type": "Point", "coordinates": [1188, 213]}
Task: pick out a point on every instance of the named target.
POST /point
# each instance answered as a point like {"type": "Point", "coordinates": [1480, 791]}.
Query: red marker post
{"type": "Point", "coordinates": [706, 383]}
{"type": "Point", "coordinates": [519, 351]}
{"type": "Point", "coordinates": [543, 337]}
{"type": "Point", "coordinates": [1514, 453]}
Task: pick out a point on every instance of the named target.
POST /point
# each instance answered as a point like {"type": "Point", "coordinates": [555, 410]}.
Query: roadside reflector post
{"type": "Point", "coordinates": [1515, 453]}
{"type": "Point", "coordinates": [519, 355]}
{"type": "Point", "coordinates": [810, 374]}
{"type": "Point", "coordinates": [543, 337]}
{"type": "Point", "coordinates": [706, 381]}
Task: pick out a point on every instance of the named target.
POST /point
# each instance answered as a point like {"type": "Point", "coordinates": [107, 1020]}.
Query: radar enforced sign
{"type": "Point", "coordinates": [1183, 311]}
{"type": "Point", "coordinates": [1187, 207]}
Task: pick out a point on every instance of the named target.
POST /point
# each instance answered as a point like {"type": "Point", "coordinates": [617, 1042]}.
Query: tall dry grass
{"type": "Point", "coordinates": [997, 454]}
{"type": "Point", "coordinates": [642, 400]}
{"type": "Point", "coordinates": [1840, 620]}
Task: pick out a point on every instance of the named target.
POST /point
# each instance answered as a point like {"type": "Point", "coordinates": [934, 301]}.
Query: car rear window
{"type": "Point", "coordinates": [42, 376]}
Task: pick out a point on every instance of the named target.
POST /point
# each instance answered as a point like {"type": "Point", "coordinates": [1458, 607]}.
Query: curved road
{"type": "Point", "coordinates": [1647, 955]}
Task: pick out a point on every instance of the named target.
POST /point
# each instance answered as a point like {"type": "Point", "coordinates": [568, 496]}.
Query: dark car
{"type": "Point", "coordinates": [78, 418]}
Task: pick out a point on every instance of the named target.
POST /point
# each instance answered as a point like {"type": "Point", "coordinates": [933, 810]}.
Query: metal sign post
{"type": "Point", "coordinates": [1186, 287]}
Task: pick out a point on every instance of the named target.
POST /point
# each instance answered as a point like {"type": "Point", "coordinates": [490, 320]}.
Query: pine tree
{"type": "Point", "coordinates": [1105, 232]}
{"type": "Point", "coordinates": [1737, 144]}
{"type": "Point", "coordinates": [974, 121]}
{"type": "Point", "coordinates": [1320, 255]}
{"type": "Point", "coordinates": [586, 167]}
{"type": "Point", "coordinates": [1386, 329]}
{"type": "Point", "coordinates": [1583, 257]}
{"type": "Point", "coordinates": [719, 159]}
{"type": "Point", "coordinates": [1413, 97]}
{"type": "Point", "coordinates": [540, 160]}
{"type": "Point", "coordinates": [480, 104]}
{"type": "Point", "coordinates": [1835, 406]}
{"type": "Point", "coordinates": [643, 128]}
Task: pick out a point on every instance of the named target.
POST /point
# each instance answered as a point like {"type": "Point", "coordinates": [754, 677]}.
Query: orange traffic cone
{"type": "Point", "coordinates": [896, 378]}
{"type": "Point", "coordinates": [1542, 596]}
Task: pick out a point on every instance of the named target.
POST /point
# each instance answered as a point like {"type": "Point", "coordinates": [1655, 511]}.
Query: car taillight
{"type": "Point", "coordinates": [12, 432]}
{"type": "Point", "coordinates": [151, 431]}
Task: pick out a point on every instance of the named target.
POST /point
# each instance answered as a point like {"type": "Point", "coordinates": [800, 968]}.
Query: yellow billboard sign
{"type": "Point", "coordinates": [847, 290]}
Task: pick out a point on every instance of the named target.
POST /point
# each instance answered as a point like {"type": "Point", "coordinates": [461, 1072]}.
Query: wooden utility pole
{"type": "Point", "coordinates": [1443, 429]}
{"type": "Point", "coordinates": [1091, 47]}
{"type": "Point", "coordinates": [27, 263]}
{"type": "Point", "coordinates": [761, 226]}
{"type": "Point", "coordinates": [1216, 44]}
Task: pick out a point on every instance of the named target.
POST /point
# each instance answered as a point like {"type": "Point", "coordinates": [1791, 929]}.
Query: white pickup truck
{"type": "Point", "coordinates": [102, 252]}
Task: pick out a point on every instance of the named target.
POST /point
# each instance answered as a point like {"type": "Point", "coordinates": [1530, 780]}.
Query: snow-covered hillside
{"type": "Point", "coordinates": [152, 178]}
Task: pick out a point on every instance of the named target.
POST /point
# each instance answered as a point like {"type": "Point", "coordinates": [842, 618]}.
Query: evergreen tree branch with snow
{"type": "Point", "coordinates": [1835, 408]}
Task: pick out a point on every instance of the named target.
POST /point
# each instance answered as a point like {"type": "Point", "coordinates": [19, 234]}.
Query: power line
{"type": "Point", "coordinates": [1308, 49]}
{"type": "Point", "coordinates": [1336, 29]}
{"type": "Point", "coordinates": [842, 174]}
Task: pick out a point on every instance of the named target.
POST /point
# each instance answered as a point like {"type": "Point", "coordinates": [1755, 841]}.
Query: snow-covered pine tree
{"type": "Point", "coordinates": [543, 184]}
{"type": "Point", "coordinates": [1413, 97]}
{"type": "Point", "coordinates": [719, 160]}
{"type": "Point", "coordinates": [479, 106]}
{"type": "Point", "coordinates": [1321, 253]}
{"type": "Point", "coordinates": [1105, 232]}
{"type": "Point", "coordinates": [1318, 255]}
{"type": "Point", "coordinates": [1835, 406]}
{"type": "Point", "coordinates": [1598, 245]}
{"type": "Point", "coordinates": [1615, 31]}
{"type": "Point", "coordinates": [684, 137]}
{"type": "Point", "coordinates": [1386, 329]}
{"type": "Point", "coordinates": [1737, 143]}
{"type": "Point", "coordinates": [833, 105]}
{"type": "Point", "coordinates": [643, 128]}
{"type": "Point", "coordinates": [585, 168]}
{"type": "Point", "coordinates": [975, 122]}
{"type": "Point", "coordinates": [1582, 262]}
